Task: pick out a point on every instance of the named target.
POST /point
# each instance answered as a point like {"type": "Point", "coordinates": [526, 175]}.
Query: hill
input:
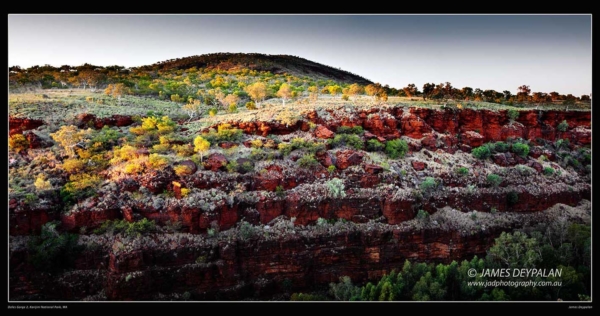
{"type": "Point", "coordinates": [276, 64]}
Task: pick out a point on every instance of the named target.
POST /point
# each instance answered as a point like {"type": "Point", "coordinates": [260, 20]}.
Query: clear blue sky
{"type": "Point", "coordinates": [500, 52]}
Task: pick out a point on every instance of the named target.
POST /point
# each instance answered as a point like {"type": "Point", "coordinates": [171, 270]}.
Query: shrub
{"type": "Point", "coordinates": [227, 133]}
{"type": "Point", "coordinates": [349, 140]}
{"type": "Point", "coordinates": [126, 228]}
{"type": "Point", "coordinates": [41, 183]}
{"type": "Point", "coordinates": [246, 230]}
{"type": "Point", "coordinates": [396, 148]}
{"type": "Point", "coordinates": [213, 111]}
{"type": "Point", "coordinates": [335, 187]}
{"type": "Point", "coordinates": [73, 165]}
{"type": "Point", "coordinates": [548, 171]}
{"type": "Point", "coordinates": [462, 171]}
{"type": "Point", "coordinates": [345, 97]}
{"type": "Point", "coordinates": [428, 185]}
{"type": "Point", "coordinates": [512, 114]}
{"type": "Point", "coordinates": [279, 191]}
{"type": "Point", "coordinates": [182, 170]}
{"type": "Point", "coordinates": [494, 179]}
{"type": "Point", "coordinates": [232, 166]}
{"type": "Point", "coordinates": [184, 150]}
{"type": "Point", "coordinates": [562, 127]}
{"type": "Point", "coordinates": [331, 169]}
{"type": "Point", "coordinates": [18, 143]}
{"type": "Point", "coordinates": [250, 105]}
{"type": "Point", "coordinates": [512, 198]}
{"type": "Point", "coordinates": [307, 297]}
{"type": "Point", "coordinates": [358, 130]}
{"type": "Point", "coordinates": [501, 147]}
{"type": "Point", "coordinates": [375, 145]}
{"type": "Point", "coordinates": [53, 251]}
{"type": "Point", "coordinates": [233, 108]}
{"type": "Point", "coordinates": [160, 148]}
{"type": "Point", "coordinates": [185, 192]}
{"type": "Point", "coordinates": [520, 149]}
{"type": "Point", "coordinates": [482, 152]}
{"type": "Point", "coordinates": [133, 167]}
{"type": "Point", "coordinates": [308, 161]}
{"type": "Point", "coordinates": [257, 143]}
{"type": "Point", "coordinates": [156, 162]}
{"type": "Point", "coordinates": [422, 215]}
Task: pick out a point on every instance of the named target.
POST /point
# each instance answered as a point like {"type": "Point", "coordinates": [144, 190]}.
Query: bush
{"type": "Point", "coordinates": [422, 215]}
{"type": "Point", "coordinates": [308, 161]}
{"type": "Point", "coordinates": [18, 143]}
{"type": "Point", "coordinates": [233, 108]}
{"type": "Point", "coordinates": [562, 127]}
{"type": "Point", "coordinates": [331, 169]}
{"type": "Point", "coordinates": [428, 186]}
{"type": "Point", "coordinates": [257, 143]}
{"type": "Point", "coordinates": [396, 148]}
{"type": "Point", "coordinates": [126, 228]}
{"type": "Point", "coordinates": [512, 114]}
{"type": "Point", "coordinates": [53, 251]}
{"type": "Point", "coordinates": [548, 171]}
{"type": "Point", "coordinates": [41, 184]}
{"type": "Point", "coordinates": [520, 149]}
{"type": "Point", "coordinates": [156, 162]}
{"type": "Point", "coordinates": [375, 145]}
{"type": "Point", "coordinates": [213, 111]}
{"type": "Point", "coordinates": [250, 105]}
{"type": "Point", "coordinates": [462, 171]}
{"type": "Point", "coordinates": [182, 170]}
{"type": "Point", "coordinates": [501, 147]}
{"type": "Point", "coordinates": [345, 97]}
{"type": "Point", "coordinates": [279, 191]}
{"type": "Point", "coordinates": [246, 230]}
{"type": "Point", "coordinates": [74, 165]}
{"type": "Point", "coordinates": [335, 187]}
{"type": "Point", "coordinates": [512, 198]}
{"type": "Point", "coordinates": [358, 130]}
{"type": "Point", "coordinates": [349, 140]}
{"type": "Point", "coordinates": [494, 180]}
{"type": "Point", "coordinates": [481, 152]}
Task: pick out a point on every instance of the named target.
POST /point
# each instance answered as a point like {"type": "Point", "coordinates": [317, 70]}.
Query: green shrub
{"type": "Point", "coordinates": [422, 215]}
{"type": "Point", "coordinates": [512, 114]}
{"type": "Point", "coordinates": [562, 127]}
{"type": "Point", "coordinates": [308, 161]}
{"type": "Point", "coordinates": [349, 140]}
{"type": "Point", "coordinates": [501, 147]}
{"type": "Point", "coordinates": [331, 169]}
{"type": "Point", "coordinates": [213, 111]}
{"type": "Point", "coordinates": [375, 145]}
{"type": "Point", "coordinates": [462, 171]}
{"type": "Point", "coordinates": [335, 187]}
{"type": "Point", "coordinates": [494, 180]}
{"type": "Point", "coordinates": [396, 148]}
{"type": "Point", "coordinates": [246, 230]}
{"type": "Point", "coordinates": [428, 186]}
{"type": "Point", "coordinates": [482, 152]}
{"type": "Point", "coordinates": [358, 130]}
{"type": "Point", "coordinates": [250, 105]}
{"type": "Point", "coordinates": [548, 171]}
{"type": "Point", "coordinates": [53, 251]}
{"type": "Point", "coordinates": [279, 191]}
{"type": "Point", "coordinates": [233, 108]}
{"type": "Point", "coordinates": [126, 228]}
{"type": "Point", "coordinates": [512, 198]}
{"type": "Point", "coordinates": [520, 149]}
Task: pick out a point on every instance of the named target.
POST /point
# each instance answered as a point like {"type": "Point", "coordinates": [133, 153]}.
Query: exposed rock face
{"type": "Point", "coordinates": [19, 125]}
{"type": "Point", "coordinates": [323, 132]}
{"type": "Point", "coordinates": [472, 139]}
{"type": "Point", "coordinates": [215, 162]}
{"type": "Point", "coordinates": [347, 158]}
{"type": "Point", "coordinates": [156, 181]}
{"type": "Point", "coordinates": [86, 120]}
{"type": "Point", "coordinates": [35, 141]}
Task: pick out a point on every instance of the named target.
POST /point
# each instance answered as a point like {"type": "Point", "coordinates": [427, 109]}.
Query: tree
{"type": "Point", "coordinates": [355, 89]}
{"type": "Point", "coordinates": [377, 91]}
{"type": "Point", "coordinates": [231, 99]}
{"type": "Point", "coordinates": [507, 95]}
{"type": "Point", "coordinates": [410, 90]}
{"type": "Point", "coordinates": [523, 94]}
{"type": "Point", "coordinates": [585, 98]}
{"type": "Point", "coordinates": [257, 91]}
{"type": "Point", "coordinates": [69, 136]}
{"type": "Point", "coordinates": [201, 146]}
{"type": "Point", "coordinates": [467, 92]}
{"type": "Point", "coordinates": [192, 108]}
{"type": "Point", "coordinates": [554, 95]}
{"type": "Point", "coordinates": [428, 89]}
{"type": "Point", "coordinates": [334, 89]}
{"type": "Point", "coordinates": [313, 93]}
{"type": "Point", "coordinates": [117, 90]}
{"type": "Point", "coordinates": [285, 92]}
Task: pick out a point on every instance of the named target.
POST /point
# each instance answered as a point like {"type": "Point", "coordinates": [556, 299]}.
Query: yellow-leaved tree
{"type": "Point", "coordinates": [201, 146]}
{"type": "Point", "coordinates": [68, 136]}
{"type": "Point", "coordinates": [257, 91]}
{"type": "Point", "coordinates": [285, 92]}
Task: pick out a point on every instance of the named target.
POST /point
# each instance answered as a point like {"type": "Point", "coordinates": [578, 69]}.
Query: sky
{"type": "Point", "coordinates": [500, 52]}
